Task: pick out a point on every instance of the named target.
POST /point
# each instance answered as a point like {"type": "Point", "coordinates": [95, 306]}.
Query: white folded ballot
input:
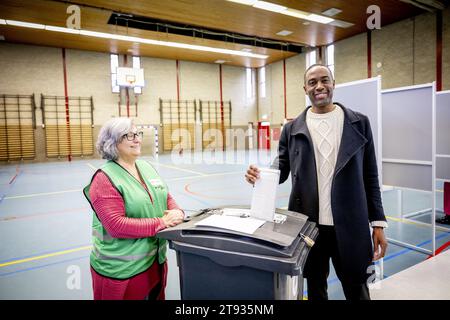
{"type": "Point", "coordinates": [239, 223]}
{"type": "Point", "coordinates": [262, 207]}
{"type": "Point", "coordinates": [264, 195]}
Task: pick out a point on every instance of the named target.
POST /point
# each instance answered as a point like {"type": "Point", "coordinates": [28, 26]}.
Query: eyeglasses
{"type": "Point", "coordinates": [132, 135]}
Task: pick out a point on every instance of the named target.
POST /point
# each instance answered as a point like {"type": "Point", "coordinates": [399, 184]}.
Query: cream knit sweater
{"type": "Point", "coordinates": [326, 133]}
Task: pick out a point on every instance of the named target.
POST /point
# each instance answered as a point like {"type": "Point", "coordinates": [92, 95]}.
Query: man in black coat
{"type": "Point", "coordinates": [329, 152]}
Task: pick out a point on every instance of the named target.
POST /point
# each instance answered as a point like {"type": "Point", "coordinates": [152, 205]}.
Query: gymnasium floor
{"type": "Point", "coordinates": [45, 223]}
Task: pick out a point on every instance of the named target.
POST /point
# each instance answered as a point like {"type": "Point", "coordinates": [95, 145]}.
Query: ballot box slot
{"type": "Point", "coordinates": [231, 237]}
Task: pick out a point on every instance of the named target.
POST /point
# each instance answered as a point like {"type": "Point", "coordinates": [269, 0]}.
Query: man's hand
{"type": "Point", "coordinates": [379, 243]}
{"type": "Point", "coordinates": [252, 174]}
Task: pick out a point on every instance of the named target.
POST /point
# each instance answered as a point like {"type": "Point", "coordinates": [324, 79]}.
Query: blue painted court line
{"type": "Point", "coordinates": [443, 235]}
{"type": "Point", "coordinates": [394, 255]}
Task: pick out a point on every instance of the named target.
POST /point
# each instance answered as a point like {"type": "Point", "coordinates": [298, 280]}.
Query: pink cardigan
{"type": "Point", "coordinates": [110, 209]}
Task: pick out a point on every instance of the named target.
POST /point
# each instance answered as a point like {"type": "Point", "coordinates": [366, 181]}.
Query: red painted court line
{"type": "Point", "coordinates": [440, 249]}
{"type": "Point", "coordinates": [2, 196]}
{"type": "Point", "coordinates": [15, 176]}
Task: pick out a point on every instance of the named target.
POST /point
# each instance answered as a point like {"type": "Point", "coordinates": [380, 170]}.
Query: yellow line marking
{"type": "Point", "coordinates": [399, 220]}
{"type": "Point", "coordinates": [42, 194]}
{"type": "Point", "coordinates": [54, 254]}
{"type": "Point", "coordinates": [173, 167]}
{"type": "Point", "coordinates": [408, 221]}
{"type": "Point", "coordinates": [91, 166]}
{"type": "Point", "coordinates": [391, 188]}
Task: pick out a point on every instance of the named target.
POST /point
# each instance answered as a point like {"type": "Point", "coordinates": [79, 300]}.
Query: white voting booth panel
{"type": "Point", "coordinates": [409, 145]}
{"type": "Point", "coordinates": [443, 135]}
{"type": "Point", "coordinates": [407, 128]}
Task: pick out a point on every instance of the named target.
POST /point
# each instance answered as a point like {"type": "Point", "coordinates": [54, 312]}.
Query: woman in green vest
{"type": "Point", "coordinates": [131, 204]}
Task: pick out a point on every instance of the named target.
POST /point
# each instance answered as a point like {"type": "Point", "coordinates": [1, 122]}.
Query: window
{"type": "Point", "coordinates": [311, 58]}
{"type": "Point", "coordinates": [330, 58]}
{"type": "Point", "coordinates": [249, 82]}
{"type": "Point", "coordinates": [137, 65]}
{"type": "Point", "coordinates": [262, 82]}
{"type": "Point", "coordinates": [114, 65]}
{"type": "Point", "coordinates": [137, 62]}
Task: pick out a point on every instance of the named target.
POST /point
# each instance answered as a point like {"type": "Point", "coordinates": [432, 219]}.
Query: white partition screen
{"type": "Point", "coordinates": [443, 135]}
{"type": "Point", "coordinates": [409, 149]}
{"type": "Point", "coordinates": [407, 136]}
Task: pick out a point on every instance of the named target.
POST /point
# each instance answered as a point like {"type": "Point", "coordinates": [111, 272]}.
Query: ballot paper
{"type": "Point", "coordinates": [236, 212]}
{"type": "Point", "coordinates": [235, 223]}
{"type": "Point", "coordinates": [264, 194]}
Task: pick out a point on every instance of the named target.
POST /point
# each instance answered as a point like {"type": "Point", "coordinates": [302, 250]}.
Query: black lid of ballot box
{"type": "Point", "coordinates": [272, 244]}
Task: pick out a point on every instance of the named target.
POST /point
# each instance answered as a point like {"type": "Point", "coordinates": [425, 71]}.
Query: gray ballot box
{"type": "Point", "coordinates": [216, 263]}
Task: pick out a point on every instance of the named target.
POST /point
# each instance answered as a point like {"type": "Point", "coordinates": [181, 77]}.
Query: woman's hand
{"type": "Point", "coordinates": [173, 217]}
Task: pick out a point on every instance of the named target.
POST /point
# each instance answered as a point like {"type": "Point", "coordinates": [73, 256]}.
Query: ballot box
{"type": "Point", "coordinates": [219, 263]}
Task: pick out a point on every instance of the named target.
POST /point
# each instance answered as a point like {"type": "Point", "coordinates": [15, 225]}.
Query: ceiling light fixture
{"type": "Point", "coordinates": [331, 12]}
{"type": "Point", "coordinates": [341, 24]}
{"type": "Point", "coordinates": [246, 2]}
{"type": "Point", "coordinates": [25, 24]}
{"type": "Point", "coordinates": [285, 10]}
{"type": "Point", "coordinates": [133, 39]}
{"type": "Point", "coordinates": [61, 29]}
{"type": "Point", "coordinates": [296, 13]}
{"type": "Point", "coordinates": [284, 33]}
{"type": "Point", "coordinates": [269, 6]}
{"type": "Point", "coordinates": [320, 19]}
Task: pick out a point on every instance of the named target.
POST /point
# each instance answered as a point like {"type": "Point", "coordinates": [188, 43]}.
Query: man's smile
{"type": "Point", "coordinates": [321, 95]}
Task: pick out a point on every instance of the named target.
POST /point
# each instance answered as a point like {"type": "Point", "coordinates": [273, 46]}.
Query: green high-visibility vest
{"type": "Point", "coordinates": [124, 258]}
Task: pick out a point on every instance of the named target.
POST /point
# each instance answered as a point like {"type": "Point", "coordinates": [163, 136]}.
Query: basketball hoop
{"type": "Point", "coordinates": [130, 79]}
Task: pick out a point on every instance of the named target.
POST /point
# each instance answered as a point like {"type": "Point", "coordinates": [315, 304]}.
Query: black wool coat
{"type": "Point", "coordinates": [355, 191]}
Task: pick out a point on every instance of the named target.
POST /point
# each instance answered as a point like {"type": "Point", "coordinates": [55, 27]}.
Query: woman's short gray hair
{"type": "Point", "coordinates": [110, 135]}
